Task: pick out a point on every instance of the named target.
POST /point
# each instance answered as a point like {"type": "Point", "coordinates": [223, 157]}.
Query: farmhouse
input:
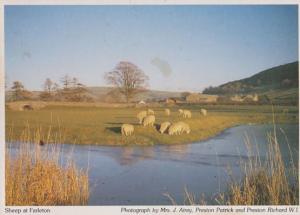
{"type": "Point", "coordinates": [245, 98]}
{"type": "Point", "coordinates": [201, 98]}
{"type": "Point", "coordinates": [172, 100]}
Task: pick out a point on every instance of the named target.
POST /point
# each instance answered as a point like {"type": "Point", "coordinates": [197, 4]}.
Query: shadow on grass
{"type": "Point", "coordinates": [157, 127]}
{"type": "Point", "coordinates": [116, 130]}
{"type": "Point", "coordinates": [120, 123]}
{"type": "Point", "coordinates": [125, 117]}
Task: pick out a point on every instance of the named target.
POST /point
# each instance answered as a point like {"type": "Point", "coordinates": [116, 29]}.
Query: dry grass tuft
{"type": "Point", "coordinates": [270, 182]}
{"type": "Point", "coordinates": [267, 183]}
{"type": "Point", "coordinates": [35, 177]}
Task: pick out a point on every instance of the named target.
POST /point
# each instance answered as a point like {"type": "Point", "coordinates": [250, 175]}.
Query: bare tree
{"type": "Point", "coordinates": [48, 85]}
{"type": "Point", "coordinates": [128, 78]}
{"type": "Point", "coordinates": [55, 86]}
{"type": "Point", "coordinates": [74, 82]}
{"type": "Point", "coordinates": [20, 92]}
{"type": "Point", "coordinates": [17, 88]}
{"type": "Point", "coordinates": [66, 81]}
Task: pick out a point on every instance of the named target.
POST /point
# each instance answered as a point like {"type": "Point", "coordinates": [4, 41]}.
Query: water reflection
{"type": "Point", "coordinates": [179, 151]}
{"type": "Point", "coordinates": [132, 155]}
{"type": "Point", "coordinates": [139, 175]}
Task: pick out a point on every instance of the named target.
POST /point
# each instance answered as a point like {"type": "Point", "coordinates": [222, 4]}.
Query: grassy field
{"type": "Point", "coordinates": [101, 125]}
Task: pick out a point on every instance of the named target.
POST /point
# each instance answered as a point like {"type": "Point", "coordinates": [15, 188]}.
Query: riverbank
{"type": "Point", "coordinates": [171, 168]}
{"type": "Point", "coordinates": [36, 177]}
{"type": "Point", "coordinates": [101, 125]}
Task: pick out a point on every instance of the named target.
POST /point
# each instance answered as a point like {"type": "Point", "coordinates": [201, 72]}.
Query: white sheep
{"type": "Point", "coordinates": [164, 126]}
{"type": "Point", "coordinates": [150, 111]}
{"type": "Point", "coordinates": [141, 115]}
{"type": "Point", "coordinates": [175, 128]}
{"type": "Point", "coordinates": [185, 128]}
{"type": "Point", "coordinates": [179, 128]}
{"type": "Point", "coordinates": [127, 129]}
{"type": "Point", "coordinates": [187, 114]}
{"type": "Point", "coordinates": [167, 111]}
{"type": "Point", "coordinates": [203, 111]}
{"type": "Point", "coordinates": [149, 120]}
{"type": "Point", "coordinates": [180, 112]}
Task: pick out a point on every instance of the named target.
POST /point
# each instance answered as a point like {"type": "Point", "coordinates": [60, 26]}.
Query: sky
{"type": "Point", "coordinates": [180, 48]}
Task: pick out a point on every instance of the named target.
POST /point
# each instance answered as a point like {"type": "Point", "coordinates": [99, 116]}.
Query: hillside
{"type": "Point", "coordinates": [102, 93]}
{"type": "Point", "coordinates": [278, 84]}
{"type": "Point", "coordinates": [282, 77]}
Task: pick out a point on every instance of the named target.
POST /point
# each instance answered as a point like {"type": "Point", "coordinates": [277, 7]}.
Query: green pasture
{"type": "Point", "coordinates": [99, 125]}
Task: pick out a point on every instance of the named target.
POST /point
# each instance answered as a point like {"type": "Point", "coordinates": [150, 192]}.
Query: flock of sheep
{"type": "Point", "coordinates": [147, 118]}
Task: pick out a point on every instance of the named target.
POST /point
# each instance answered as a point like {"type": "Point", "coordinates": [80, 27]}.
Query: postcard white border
{"type": "Point", "coordinates": [78, 210]}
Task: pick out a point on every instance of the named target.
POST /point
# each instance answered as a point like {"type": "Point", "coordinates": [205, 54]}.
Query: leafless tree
{"type": "Point", "coordinates": [55, 87]}
{"type": "Point", "coordinates": [48, 85]}
{"type": "Point", "coordinates": [74, 82]}
{"type": "Point", "coordinates": [128, 78]}
{"type": "Point", "coordinates": [20, 92]}
{"type": "Point", "coordinates": [66, 81]}
{"type": "Point", "coordinates": [17, 88]}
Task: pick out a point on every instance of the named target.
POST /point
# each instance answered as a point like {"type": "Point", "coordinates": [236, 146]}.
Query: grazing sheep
{"type": "Point", "coordinates": [164, 126]}
{"type": "Point", "coordinates": [127, 129]}
{"type": "Point", "coordinates": [167, 111]}
{"type": "Point", "coordinates": [150, 111]}
{"type": "Point", "coordinates": [203, 111]}
{"type": "Point", "coordinates": [175, 128]}
{"type": "Point", "coordinates": [185, 128]}
{"type": "Point", "coordinates": [149, 120]}
{"type": "Point", "coordinates": [187, 114]}
{"type": "Point", "coordinates": [179, 128]}
{"type": "Point", "coordinates": [180, 112]}
{"type": "Point", "coordinates": [141, 115]}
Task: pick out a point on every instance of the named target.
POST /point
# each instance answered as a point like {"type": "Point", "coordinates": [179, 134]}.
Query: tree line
{"type": "Point", "coordinates": [126, 79]}
{"type": "Point", "coordinates": [71, 90]}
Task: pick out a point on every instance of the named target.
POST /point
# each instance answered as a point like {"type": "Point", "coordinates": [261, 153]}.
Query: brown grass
{"type": "Point", "coordinates": [267, 183]}
{"type": "Point", "coordinates": [264, 183]}
{"type": "Point", "coordinates": [35, 177]}
{"type": "Point", "coordinates": [19, 106]}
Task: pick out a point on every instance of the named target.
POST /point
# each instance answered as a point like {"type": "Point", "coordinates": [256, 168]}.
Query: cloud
{"type": "Point", "coordinates": [163, 66]}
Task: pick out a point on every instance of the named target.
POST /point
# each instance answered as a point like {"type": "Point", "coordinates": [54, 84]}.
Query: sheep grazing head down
{"type": "Point", "coordinates": [179, 128]}
{"type": "Point", "coordinates": [141, 115]}
{"type": "Point", "coordinates": [164, 126]}
{"type": "Point", "coordinates": [203, 111]}
{"type": "Point", "coordinates": [149, 120]}
{"type": "Point", "coordinates": [186, 114]}
{"type": "Point", "coordinates": [180, 112]}
{"type": "Point", "coordinates": [127, 129]}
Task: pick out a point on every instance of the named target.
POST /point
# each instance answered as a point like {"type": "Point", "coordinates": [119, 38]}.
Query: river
{"type": "Point", "coordinates": [140, 175]}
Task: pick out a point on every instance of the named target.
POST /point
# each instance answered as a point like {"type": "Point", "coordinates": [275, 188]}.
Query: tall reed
{"type": "Point", "coordinates": [34, 175]}
{"type": "Point", "coordinates": [268, 182]}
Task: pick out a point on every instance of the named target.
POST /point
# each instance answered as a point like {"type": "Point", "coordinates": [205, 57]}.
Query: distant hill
{"type": "Point", "coordinates": [101, 93]}
{"type": "Point", "coordinates": [278, 84]}
{"type": "Point", "coordinates": [107, 94]}
{"type": "Point", "coordinates": [277, 78]}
